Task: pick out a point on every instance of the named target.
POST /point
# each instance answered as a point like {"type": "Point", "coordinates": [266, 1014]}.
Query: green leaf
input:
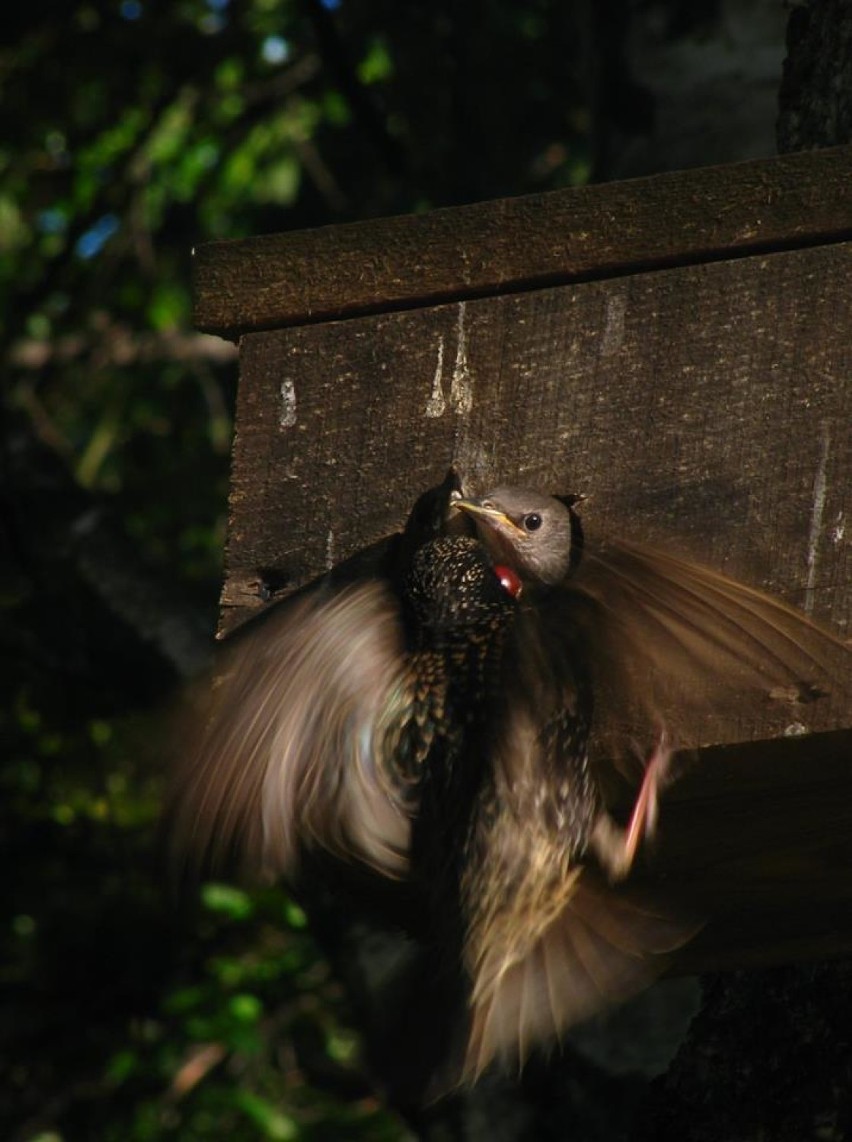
{"type": "Point", "coordinates": [296, 917]}
{"type": "Point", "coordinates": [121, 1066]}
{"type": "Point", "coordinates": [245, 1008]}
{"type": "Point", "coordinates": [272, 1122]}
{"type": "Point", "coordinates": [377, 64]}
{"type": "Point", "coordinates": [227, 900]}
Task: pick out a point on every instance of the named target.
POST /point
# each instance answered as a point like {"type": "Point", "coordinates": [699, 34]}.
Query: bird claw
{"type": "Point", "coordinates": [643, 819]}
{"type": "Point", "coordinates": [616, 848]}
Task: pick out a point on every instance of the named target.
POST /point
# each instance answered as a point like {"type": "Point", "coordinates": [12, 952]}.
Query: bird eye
{"type": "Point", "coordinates": [532, 522]}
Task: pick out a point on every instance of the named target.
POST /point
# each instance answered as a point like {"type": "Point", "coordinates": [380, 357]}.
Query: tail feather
{"type": "Point", "coordinates": [600, 949]}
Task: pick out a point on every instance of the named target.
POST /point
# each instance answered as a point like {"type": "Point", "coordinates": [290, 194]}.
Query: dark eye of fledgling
{"type": "Point", "coordinates": [532, 522]}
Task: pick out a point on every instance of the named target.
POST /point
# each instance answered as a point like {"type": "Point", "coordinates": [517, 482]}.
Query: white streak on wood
{"type": "Point", "coordinates": [613, 334]}
{"type": "Point", "coordinates": [461, 388]}
{"type": "Point", "coordinates": [816, 517]}
{"type": "Point", "coordinates": [838, 532]}
{"type": "Point", "coordinates": [475, 461]}
{"type": "Point", "coordinates": [436, 404]}
{"type": "Point", "coordinates": [287, 417]}
{"type": "Point", "coordinates": [795, 730]}
{"type": "Point", "coordinates": [329, 550]}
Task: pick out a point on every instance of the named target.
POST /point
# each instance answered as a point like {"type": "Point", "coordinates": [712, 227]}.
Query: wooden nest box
{"type": "Point", "coordinates": [678, 348]}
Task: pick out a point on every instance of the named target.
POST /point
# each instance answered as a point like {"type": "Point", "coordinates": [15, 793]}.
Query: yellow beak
{"type": "Point", "coordinates": [491, 515]}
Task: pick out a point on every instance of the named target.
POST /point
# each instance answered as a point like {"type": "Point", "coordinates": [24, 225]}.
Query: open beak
{"type": "Point", "coordinates": [490, 516]}
{"type": "Point", "coordinates": [496, 530]}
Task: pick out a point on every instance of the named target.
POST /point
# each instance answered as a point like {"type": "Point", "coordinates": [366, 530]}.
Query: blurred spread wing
{"type": "Point", "coordinates": [674, 643]}
{"type": "Point", "coordinates": [658, 642]}
{"type": "Point", "coordinates": [548, 945]}
{"type": "Point", "coordinates": [590, 950]}
{"type": "Point", "coordinates": [283, 750]}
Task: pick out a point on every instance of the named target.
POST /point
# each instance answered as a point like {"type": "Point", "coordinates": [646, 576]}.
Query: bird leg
{"type": "Point", "coordinates": [615, 847]}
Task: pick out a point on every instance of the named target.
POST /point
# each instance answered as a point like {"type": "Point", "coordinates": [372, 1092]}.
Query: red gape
{"type": "Point", "coordinates": [509, 581]}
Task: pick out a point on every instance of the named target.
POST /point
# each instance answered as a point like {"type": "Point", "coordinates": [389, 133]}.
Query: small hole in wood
{"type": "Point", "coordinates": [271, 581]}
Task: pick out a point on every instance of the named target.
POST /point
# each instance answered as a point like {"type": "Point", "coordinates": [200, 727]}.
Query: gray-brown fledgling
{"type": "Point", "coordinates": [678, 638]}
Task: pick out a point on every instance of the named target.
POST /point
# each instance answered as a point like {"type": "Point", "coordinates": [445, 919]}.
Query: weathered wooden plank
{"type": "Point", "coordinates": [754, 839]}
{"type": "Point", "coordinates": [708, 404]}
{"type": "Point", "coordinates": [522, 243]}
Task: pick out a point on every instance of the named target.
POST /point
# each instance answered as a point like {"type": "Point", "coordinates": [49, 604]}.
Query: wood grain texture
{"type": "Point", "coordinates": [524, 243]}
{"type": "Point", "coordinates": [708, 405]}
{"type": "Point", "coordinates": [753, 839]}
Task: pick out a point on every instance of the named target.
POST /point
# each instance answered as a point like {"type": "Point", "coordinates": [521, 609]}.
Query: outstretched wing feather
{"type": "Point", "coordinates": [285, 750]}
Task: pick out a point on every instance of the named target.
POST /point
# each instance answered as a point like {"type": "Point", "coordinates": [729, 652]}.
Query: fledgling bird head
{"type": "Point", "coordinates": [537, 535]}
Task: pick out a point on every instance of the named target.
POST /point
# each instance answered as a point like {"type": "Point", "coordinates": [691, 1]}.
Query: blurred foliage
{"type": "Point", "coordinates": [130, 131]}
